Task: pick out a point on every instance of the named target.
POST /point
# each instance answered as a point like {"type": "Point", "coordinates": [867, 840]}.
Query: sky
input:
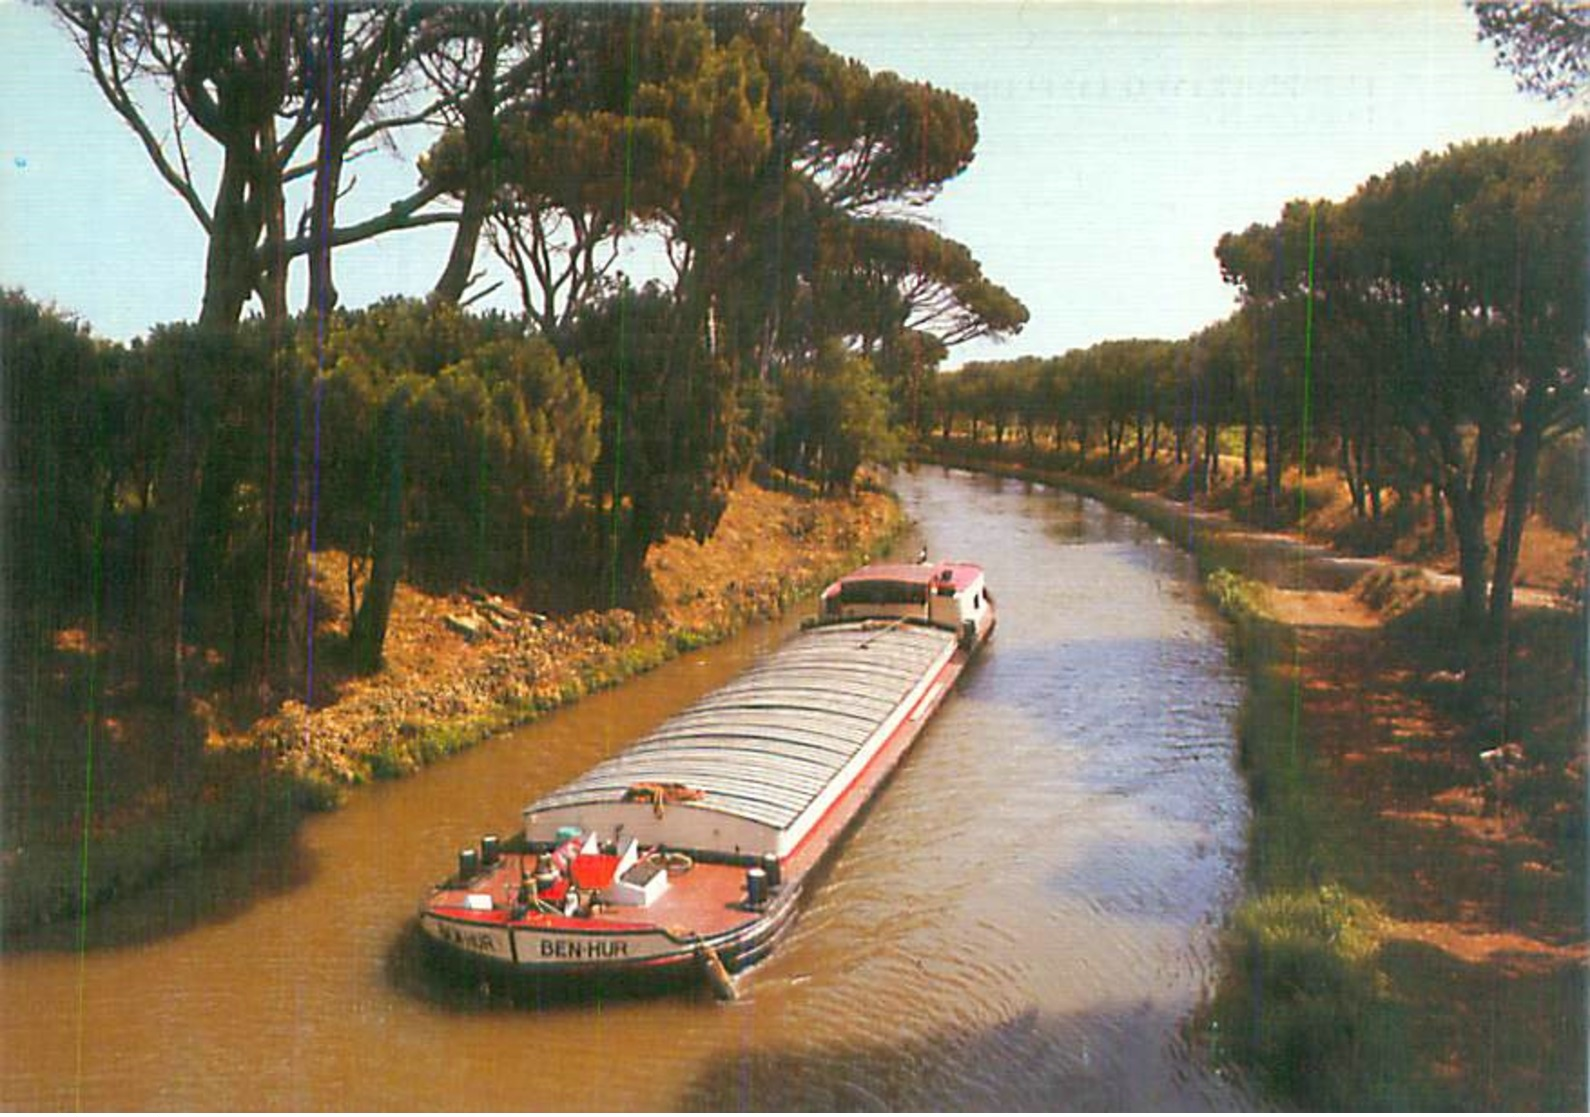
{"type": "Point", "coordinates": [1117, 142]}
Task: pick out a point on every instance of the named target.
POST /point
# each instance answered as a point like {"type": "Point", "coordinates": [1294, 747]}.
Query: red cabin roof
{"type": "Point", "coordinates": [958, 575]}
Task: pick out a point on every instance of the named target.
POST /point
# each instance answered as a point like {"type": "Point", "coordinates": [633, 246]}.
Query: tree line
{"type": "Point", "coordinates": [174, 487]}
{"type": "Point", "coordinates": [1425, 335]}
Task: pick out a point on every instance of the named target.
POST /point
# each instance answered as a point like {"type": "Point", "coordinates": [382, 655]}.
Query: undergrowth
{"type": "Point", "coordinates": [1310, 1003]}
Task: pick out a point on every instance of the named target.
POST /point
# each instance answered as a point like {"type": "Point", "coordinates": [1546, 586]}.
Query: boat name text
{"type": "Point", "coordinates": [482, 942]}
{"type": "Point", "coordinates": [596, 948]}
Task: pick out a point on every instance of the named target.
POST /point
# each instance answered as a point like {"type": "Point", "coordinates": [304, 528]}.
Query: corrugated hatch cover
{"type": "Point", "coordinates": [767, 744]}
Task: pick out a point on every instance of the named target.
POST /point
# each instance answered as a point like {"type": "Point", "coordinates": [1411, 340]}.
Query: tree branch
{"type": "Point", "coordinates": [401, 215]}
{"type": "Point", "coordinates": [113, 85]}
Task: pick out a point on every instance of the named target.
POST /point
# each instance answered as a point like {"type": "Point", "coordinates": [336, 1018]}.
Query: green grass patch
{"type": "Point", "coordinates": [1310, 1005]}
{"type": "Point", "coordinates": [1240, 600]}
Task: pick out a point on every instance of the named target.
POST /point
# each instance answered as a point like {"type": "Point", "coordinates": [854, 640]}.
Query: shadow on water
{"type": "Point", "coordinates": [1117, 1059]}
{"type": "Point", "coordinates": [220, 888]}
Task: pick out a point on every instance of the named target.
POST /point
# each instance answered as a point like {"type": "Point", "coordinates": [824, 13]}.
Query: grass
{"type": "Point", "coordinates": [1304, 1005]}
{"type": "Point", "coordinates": [57, 881]}
{"type": "Point", "coordinates": [1313, 998]}
{"type": "Point", "coordinates": [1382, 912]}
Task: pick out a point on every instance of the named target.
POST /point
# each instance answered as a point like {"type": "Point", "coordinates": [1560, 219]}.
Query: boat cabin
{"type": "Point", "coordinates": [949, 595]}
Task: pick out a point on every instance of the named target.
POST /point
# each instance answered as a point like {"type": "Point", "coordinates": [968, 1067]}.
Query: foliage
{"type": "Point", "coordinates": [834, 418]}
{"type": "Point", "coordinates": [1546, 45]}
{"type": "Point", "coordinates": [58, 415]}
{"type": "Point", "coordinates": [450, 438]}
{"type": "Point", "coordinates": [1309, 1002]}
{"type": "Point", "coordinates": [773, 174]}
{"type": "Point", "coordinates": [1240, 599]}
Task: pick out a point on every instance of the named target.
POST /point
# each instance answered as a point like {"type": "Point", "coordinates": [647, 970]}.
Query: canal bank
{"type": "Point", "coordinates": [1413, 935]}
{"type": "Point", "coordinates": [459, 668]}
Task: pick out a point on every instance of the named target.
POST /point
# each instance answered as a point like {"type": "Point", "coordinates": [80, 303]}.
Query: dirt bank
{"type": "Point", "coordinates": [463, 666]}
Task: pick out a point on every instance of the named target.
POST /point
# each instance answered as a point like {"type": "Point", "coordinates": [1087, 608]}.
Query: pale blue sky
{"type": "Point", "coordinates": [1118, 141]}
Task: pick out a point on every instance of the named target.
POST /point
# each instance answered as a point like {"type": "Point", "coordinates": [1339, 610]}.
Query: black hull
{"type": "Point", "coordinates": [737, 951]}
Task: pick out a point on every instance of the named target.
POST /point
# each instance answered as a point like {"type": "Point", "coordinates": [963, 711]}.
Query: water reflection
{"type": "Point", "coordinates": [1111, 1060]}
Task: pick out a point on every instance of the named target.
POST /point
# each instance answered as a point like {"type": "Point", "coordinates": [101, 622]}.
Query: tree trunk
{"type": "Point", "coordinates": [1438, 510]}
{"type": "Point", "coordinates": [368, 637]}
{"type": "Point", "coordinates": [1211, 455]}
{"type": "Point", "coordinates": [1520, 495]}
{"type": "Point", "coordinates": [328, 175]}
{"type": "Point", "coordinates": [1468, 522]}
{"type": "Point", "coordinates": [1272, 468]}
{"type": "Point", "coordinates": [480, 139]}
{"type": "Point", "coordinates": [460, 267]}
{"type": "Point", "coordinates": [180, 480]}
{"type": "Point", "coordinates": [1247, 450]}
{"type": "Point", "coordinates": [1350, 473]}
{"type": "Point", "coordinates": [229, 269]}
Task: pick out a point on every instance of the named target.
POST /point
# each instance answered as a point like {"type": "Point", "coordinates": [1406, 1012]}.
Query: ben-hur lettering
{"type": "Point", "coordinates": [576, 948]}
{"type": "Point", "coordinates": [482, 942]}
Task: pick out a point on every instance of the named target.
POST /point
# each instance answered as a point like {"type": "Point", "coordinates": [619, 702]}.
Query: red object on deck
{"type": "Point", "coordinates": [594, 870]}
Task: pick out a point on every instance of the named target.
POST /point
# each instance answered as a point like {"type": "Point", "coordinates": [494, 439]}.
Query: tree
{"type": "Point", "coordinates": [835, 417]}
{"type": "Point", "coordinates": [352, 66]}
{"type": "Point", "coordinates": [259, 79]}
{"type": "Point", "coordinates": [672, 434]}
{"type": "Point", "coordinates": [571, 189]}
{"type": "Point", "coordinates": [1272, 267]}
{"type": "Point", "coordinates": [59, 464]}
{"type": "Point", "coordinates": [449, 437]}
{"type": "Point", "coordinates": [1464, 273]}
{"type": "Point", "coordinates": [1545, 45]}
{"type": "Point", "coordinates": [885, 277]}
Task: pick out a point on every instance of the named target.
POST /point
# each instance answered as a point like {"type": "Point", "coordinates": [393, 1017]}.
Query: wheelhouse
{"type": "Point", "coordinates": [949, 595]}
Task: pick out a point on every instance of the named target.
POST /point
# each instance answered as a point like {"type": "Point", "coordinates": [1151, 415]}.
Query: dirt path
{"type": "Point", "coordinates": [1485, 950]}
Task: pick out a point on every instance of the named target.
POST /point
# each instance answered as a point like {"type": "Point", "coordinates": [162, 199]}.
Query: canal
{"type": "Point", "coordinates": [1025, 918]}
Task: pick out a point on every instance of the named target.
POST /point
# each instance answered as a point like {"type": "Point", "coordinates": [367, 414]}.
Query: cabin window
{"type": "Point", "coordinates": [882, 593]}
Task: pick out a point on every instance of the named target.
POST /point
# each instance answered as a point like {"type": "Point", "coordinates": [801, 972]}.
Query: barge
{"type": "Point", "coordinates": [687, 852]}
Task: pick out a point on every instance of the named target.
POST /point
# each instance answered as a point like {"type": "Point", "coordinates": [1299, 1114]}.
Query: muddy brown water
{"type": "Point", "coordinates": [1024, 918]}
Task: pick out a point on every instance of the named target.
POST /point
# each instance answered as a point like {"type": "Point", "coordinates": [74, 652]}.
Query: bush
{"type": "Point", "coordinates": [1305, 1004]}
{"type": "Point", "coordinates": [1241, 600]}
{"type": "Point", "coordinates": [1394, 591]}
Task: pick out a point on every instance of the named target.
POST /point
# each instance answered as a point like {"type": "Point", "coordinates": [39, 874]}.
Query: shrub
{"type": "Point", "coordinates": [1394, 591]}
{"type": "Point", "coordinates": [1240, 599]}
{"type": "Point", "coordinates": [1303, 1005]}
